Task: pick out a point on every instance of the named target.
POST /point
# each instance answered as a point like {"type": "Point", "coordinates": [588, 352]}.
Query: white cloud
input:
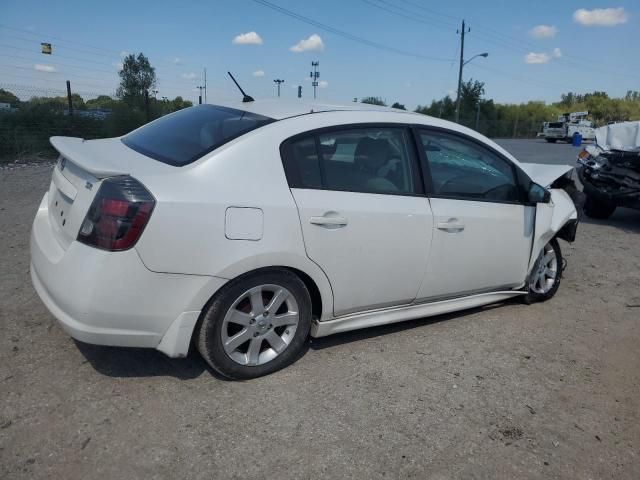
{"type": "Point", "coordinates": [124, 53]}
{"type": "Point", "coordinates": [189, 76]}
{"type": "Point", "coordinates": [543, 31]}
{"type": "Point", "coordinates": [314, 42]}
{"type": "Point", "coordinates": [258, 73]}
{"type": "Point", "coordinates": [44, 68]}
{"type": "Point", "coordinates": [249, 38]}
{"type": "Point", "coordinates": [535, 58]}
{"type": "Point", "coordinates": [557, 53]}
{"type": "Point", "coordinates": [600, 17]}
{"type": "Point", "coordinates": [118, 65]}
{"type": "Point", "coordinates": [323, 84]}
{"type": "Point", "coordinates": [177, 61]}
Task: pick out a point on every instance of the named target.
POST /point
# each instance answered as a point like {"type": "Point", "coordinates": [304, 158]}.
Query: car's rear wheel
{"type": "Point", "coordinates": [256, 324]}
{"type": "Point", "coordinates": [544, 279]}
{"type": "Point", "coordinates": [595, 208]}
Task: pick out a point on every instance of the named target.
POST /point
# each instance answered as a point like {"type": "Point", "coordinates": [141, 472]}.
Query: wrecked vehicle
{"type": "Point", "coordinates": [610, 170]}
{"type": "Point", "coordinates": [244, 229]}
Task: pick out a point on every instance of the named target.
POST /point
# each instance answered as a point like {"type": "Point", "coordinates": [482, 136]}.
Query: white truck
{"type": "Point", "coordinates": [566, 125]}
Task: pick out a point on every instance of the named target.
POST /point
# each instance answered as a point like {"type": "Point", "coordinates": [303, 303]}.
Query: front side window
{"type": "Point", "coordinates": [186, 135]}
{"type": "Point", "coordinates": [460, 168]}
{"type": "Point", "coordinates": [368, 160]}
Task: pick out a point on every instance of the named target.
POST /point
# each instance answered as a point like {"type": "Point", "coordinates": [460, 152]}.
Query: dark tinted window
{"type": "Point", "coordinates": [188, 134]}
{"type": "Point", "coordinates": [461, 168]}
{"type": "Point", "coordinates": [368, 160]}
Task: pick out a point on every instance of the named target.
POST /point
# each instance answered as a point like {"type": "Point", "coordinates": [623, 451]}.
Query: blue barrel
{"type": "Point", "coordinates": [576, 140]}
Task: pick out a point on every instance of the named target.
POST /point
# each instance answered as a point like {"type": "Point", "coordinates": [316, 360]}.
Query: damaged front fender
{"type": "Point", "coordinates": [556, 218]}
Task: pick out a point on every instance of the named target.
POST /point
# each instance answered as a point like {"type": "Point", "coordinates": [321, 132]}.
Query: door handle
{"type": "Point", "coordinates": [452, 225]}
{"type": "Point", "coordinates": [329, 221]}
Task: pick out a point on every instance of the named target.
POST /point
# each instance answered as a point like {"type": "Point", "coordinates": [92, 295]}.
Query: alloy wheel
{"type": "Point", "coordinates": [260, 325]}
{"type": "Point", "coordinates": [545, 271]}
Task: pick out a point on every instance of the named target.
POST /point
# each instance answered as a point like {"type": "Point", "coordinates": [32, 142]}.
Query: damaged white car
{"type": "Point", "coordinates": [245, 229]}
{"type": "Point", "coordinates": [610, 170]}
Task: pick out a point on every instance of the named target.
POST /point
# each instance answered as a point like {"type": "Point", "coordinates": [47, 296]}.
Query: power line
{"type": "Point", "coordinates": [346, 35]}
{"type": "Point", "coordinates": [114, 53]}
{"type": "Point", "coordinates": [510, 42]}
{"type": "Point", "coordinates": [409, 15]}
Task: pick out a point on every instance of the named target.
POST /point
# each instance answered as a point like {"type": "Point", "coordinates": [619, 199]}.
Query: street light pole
{"type": "Point", "coordinates": [462, 32]}
{"type": "Point", "coordinates": [278, 81]}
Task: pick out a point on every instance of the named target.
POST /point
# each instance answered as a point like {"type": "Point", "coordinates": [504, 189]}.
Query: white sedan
{"type": "Point", "coordinates": [245, 229]}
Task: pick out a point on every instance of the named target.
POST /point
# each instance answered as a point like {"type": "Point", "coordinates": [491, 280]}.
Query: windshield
{"type": "Point", "coordinates": [555, 124]}
{"type": "Point", "coordinates": [186, 135]}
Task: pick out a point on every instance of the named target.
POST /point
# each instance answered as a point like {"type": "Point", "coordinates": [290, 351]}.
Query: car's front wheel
{"type": "Point", "coordinates": [598, 209]}
{"type": "Point", "coordinates": [544, 279]}
{"type": "Point", "coordinates": [256, 324]}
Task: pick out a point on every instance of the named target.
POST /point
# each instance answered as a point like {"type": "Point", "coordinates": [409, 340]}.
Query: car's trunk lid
{"type": "Point", "coordinates": [77, 176]}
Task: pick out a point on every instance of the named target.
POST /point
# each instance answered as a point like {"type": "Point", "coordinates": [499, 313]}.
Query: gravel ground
{"type": "Point", "coordinates": [550, 390]}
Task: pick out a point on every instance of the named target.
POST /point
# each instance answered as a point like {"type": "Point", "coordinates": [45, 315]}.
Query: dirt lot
{"type": "Point", "coordinates": [511, 391]}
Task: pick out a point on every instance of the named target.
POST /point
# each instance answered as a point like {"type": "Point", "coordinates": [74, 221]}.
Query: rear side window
{"type": "Point", "coordinates": [186, 135]}
{"type": "Point", "coordinates": [367, 160]}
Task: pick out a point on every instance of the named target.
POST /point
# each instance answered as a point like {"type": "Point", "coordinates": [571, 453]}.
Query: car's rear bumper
{"type": "Point", "coordinates": [111, 298]}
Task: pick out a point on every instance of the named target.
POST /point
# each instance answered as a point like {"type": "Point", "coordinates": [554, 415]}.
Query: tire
{"type": "Point", "coordinates": [551, 140]}
{"type": "Point", "coordinates": [598, 209]}
{"type": "Point", "coordinates": [237, 333]}
{"type": "Point", "coordinates": [538, 291]}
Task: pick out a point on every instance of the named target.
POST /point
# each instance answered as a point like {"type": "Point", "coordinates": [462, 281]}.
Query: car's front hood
{"type": "Point", "coordinates": [544, 174]}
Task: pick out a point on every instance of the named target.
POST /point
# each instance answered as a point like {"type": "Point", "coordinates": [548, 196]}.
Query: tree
{"type": "Point", "coordinates": [373, 101]}
{"type": "Point", "coordinates": [399, 106]}
{"type": "Point", "coordinates": [7, 97]}
{"type": "Point", "coordinates": [136, 77]}
{"type": "Point", "coordinates": [100, 102]}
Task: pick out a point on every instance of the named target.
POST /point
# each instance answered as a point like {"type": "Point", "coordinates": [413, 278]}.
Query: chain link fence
{"type": "Point", "coordinates": [29, 116]}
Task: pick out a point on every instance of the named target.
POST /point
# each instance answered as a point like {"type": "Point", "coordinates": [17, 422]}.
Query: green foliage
{"type": "Point", "coordinates": [373, 101]}
{"type": "Point", "coordinates": [26, 131]}
{"type": "Point", "coordinates": [525, 120]}
{"type": "Point", "coordinates": [104, 102]}
{"type": "Point", "coordinates": [136, 77]}
{"type": "Point", "coordinates": [399, 106]}
{"type": "Point", "coordinates": [8, 97]}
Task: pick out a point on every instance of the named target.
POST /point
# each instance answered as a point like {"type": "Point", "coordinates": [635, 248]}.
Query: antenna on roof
{"type": "Point", "coordinates": [245, 98]}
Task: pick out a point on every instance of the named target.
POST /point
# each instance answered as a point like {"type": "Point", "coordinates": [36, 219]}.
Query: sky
{"type": "Point", "coordinates": [403, 51]}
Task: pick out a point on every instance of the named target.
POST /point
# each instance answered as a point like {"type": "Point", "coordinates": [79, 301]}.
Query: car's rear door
{"type": "Point", "coordinates": [482, 230]}
{"type": "Point", "coordinates": [365, 219]}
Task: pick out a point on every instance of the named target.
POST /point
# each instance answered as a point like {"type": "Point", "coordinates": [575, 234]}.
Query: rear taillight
{"type": "Point", "coordinates": [118, 214]}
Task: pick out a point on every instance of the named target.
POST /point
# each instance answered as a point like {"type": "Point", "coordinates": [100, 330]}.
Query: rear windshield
{"type": "Point", "coordinates": [188, 134]}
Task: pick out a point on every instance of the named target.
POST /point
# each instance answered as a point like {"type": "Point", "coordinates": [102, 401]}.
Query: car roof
{"type": "Point", "coordinates": [279, 109]}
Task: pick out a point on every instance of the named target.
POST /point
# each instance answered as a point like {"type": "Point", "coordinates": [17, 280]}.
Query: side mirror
{"type": "Point", "coordinates": [538, 194]}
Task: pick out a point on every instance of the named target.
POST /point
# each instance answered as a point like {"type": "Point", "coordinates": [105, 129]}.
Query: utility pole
{"type": "Point", "coordinates": [462, 31]}
{"type": "Point", "coordinates": [200, 96]}
{"type": "Point", "coordinates": [477, 115]}
{"type": "Point", "coordinates": [205, 85]}
{"type": "Point", "coordinates": [299, 91]}
{"type": "Point", "coordinates": [278, 81]}
{"type": "Point", "coordinates": [69, 98]}
{"type": "Point", "coordinates": [314, 77]}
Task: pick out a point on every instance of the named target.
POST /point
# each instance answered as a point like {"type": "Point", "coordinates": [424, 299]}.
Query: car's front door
{"type": "Point", "coordinates": [365, 219]}
{"type": "Point", "coordinates": [482, 231]}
